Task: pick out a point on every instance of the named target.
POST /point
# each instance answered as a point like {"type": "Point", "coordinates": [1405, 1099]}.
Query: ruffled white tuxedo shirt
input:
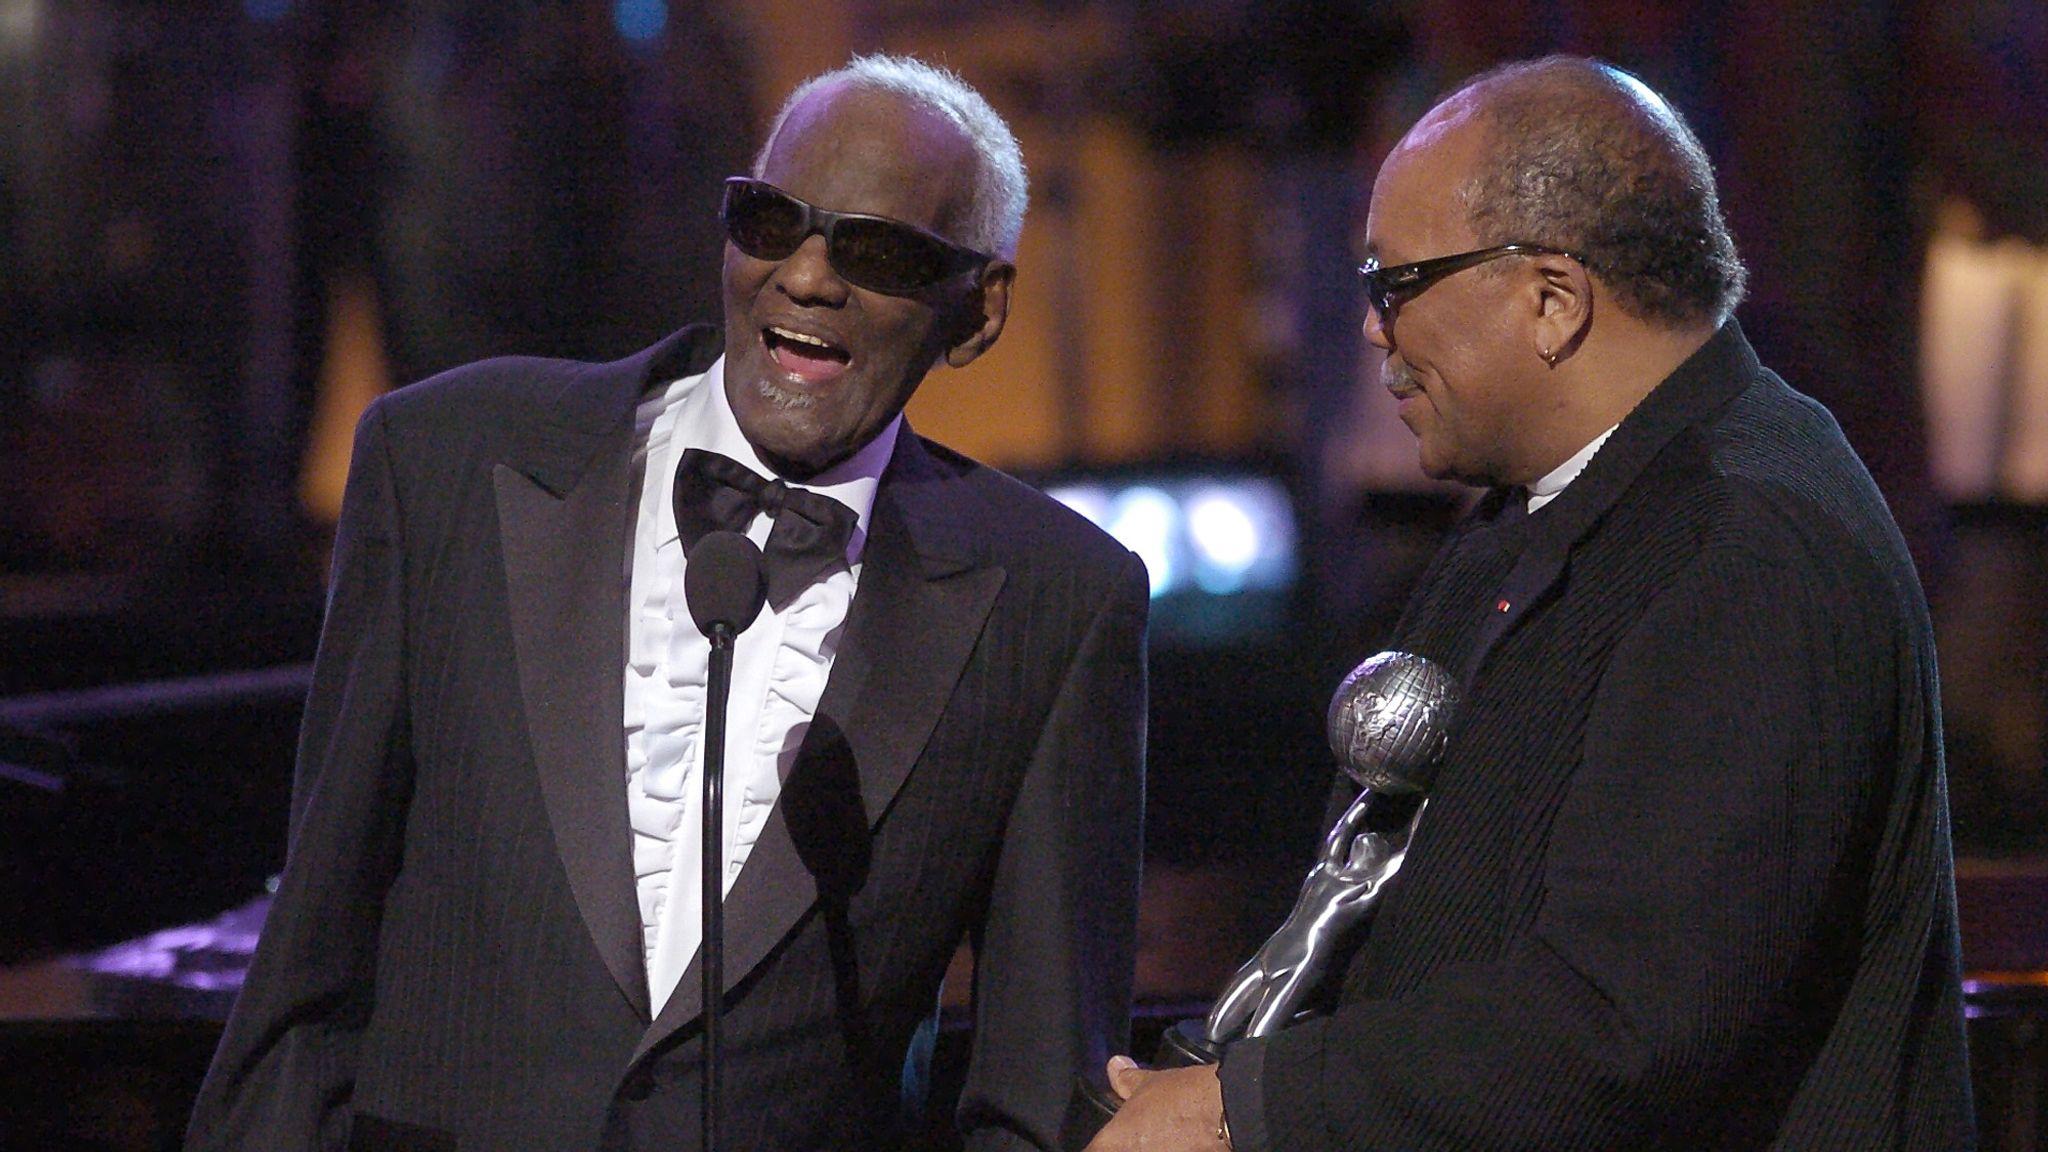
{"type": "Point", "coordinates": [779, 669]}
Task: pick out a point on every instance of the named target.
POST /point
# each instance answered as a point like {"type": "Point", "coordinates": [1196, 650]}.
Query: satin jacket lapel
{"type": "Point", "coordinates": [563, 517]}
{"type": "Point", "coordinates": [922, 603]}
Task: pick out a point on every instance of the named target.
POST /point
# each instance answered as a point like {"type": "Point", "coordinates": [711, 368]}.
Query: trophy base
{"type": "Point", "coordinates": [1185, 1045]}
{"type": "Point", "coordinates": [1092, 1105]}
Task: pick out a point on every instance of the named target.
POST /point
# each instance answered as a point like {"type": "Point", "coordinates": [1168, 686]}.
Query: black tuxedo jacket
{"type": "Point", "coordinates": [453, 960]}
{"type": "Point", "coordinates": [1684, 879]}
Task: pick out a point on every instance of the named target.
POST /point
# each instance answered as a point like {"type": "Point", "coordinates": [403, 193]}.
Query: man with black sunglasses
{"type": "Point", "coordinates": [1684, 878]}
{"type": "Point", "coordinates": [487, 935]}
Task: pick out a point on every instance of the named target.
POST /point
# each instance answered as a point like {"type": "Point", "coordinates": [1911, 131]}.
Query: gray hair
{"type": "Point", "coordinates": [1587, 158]}
{"type": "Point", "coordinates": [996, 216]}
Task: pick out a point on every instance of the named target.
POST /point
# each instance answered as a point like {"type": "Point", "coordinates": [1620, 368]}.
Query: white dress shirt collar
{"type": "Point", "coordinates": [1545, 490]}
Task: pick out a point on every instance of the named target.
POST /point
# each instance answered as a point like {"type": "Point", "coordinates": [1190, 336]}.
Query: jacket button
{"type": "Point", "coordinates": [638, 1087]}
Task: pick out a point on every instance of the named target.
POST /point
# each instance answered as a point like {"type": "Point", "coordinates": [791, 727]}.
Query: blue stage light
{"type": "Point", "coordinates": [1218, 543]}
{"type": "Point", "coordinates": [640, 21]}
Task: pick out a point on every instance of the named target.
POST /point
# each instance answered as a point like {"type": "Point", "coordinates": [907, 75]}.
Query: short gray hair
{"type": "Point", "coordinates": [1587, 158]}
{"type": "Point", "coordinates": [996, 216]}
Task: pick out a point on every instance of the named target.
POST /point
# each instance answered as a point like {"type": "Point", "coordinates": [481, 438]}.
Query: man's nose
{"type": "Point", "coordinates": [1376, 332]}
{"type": "Point", "coordinates": [807, 274]}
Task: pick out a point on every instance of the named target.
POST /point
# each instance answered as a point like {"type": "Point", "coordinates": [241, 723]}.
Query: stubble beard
{"type": "Point", "coordinates": [786, 399]}
{"type": "Point", "coordinates": [1397, 379]}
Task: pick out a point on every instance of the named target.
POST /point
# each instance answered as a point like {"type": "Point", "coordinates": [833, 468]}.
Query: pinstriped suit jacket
{"type": "Point", "coordinates": [453, 960]}
{"type": "Point", "coordinates": [1684, 881]}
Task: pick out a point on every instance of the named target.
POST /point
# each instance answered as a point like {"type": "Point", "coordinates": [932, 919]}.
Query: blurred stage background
{"type": "Point", "coordinates": [226, 224]}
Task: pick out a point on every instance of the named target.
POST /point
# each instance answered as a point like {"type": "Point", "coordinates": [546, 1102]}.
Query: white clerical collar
{"type": "Point", "coordinates": [1545, 490]}
{"type": "Point", "coordinates": [704, 419]}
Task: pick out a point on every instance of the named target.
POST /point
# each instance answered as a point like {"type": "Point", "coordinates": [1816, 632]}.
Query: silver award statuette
{"type": "Point", "coordinates": [1389, 724]}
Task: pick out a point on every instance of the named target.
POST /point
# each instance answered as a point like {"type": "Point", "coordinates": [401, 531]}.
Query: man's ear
{"type": "Point", "coordinates": [982, 314]}
{"type": "Point", "coordinates": [1564, 306]}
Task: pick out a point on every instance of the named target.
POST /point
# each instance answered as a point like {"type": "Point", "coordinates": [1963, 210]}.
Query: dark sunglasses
{"type": "Point", "coordinates": [1387, 288]}
{"type": "Point", "coordinates": [874, 252]}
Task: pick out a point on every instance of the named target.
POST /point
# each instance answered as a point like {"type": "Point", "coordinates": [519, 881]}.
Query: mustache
{"type": "Point", "coordinates": [1396, 378]}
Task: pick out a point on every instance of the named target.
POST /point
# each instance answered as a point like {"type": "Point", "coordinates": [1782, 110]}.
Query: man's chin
{"type": "Point", "coordinates": [1426, 461]}
{"type": "Point", "coordinates": [791, 456]}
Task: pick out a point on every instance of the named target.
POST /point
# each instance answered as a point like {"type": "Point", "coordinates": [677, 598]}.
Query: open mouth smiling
{"type": "Point", "coordinates": [804, 356]}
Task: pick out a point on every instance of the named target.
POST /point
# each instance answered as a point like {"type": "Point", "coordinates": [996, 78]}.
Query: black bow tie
{"type": "Point", "coordinates": [717, 493]}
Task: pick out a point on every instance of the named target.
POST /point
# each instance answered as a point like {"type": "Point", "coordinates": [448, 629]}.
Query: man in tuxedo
{"type": "Point", "coordinates": [487, 933]}
{"type": "Point", "coordinates": [1684, 878]}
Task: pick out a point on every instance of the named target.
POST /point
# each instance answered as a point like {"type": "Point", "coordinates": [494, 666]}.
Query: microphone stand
{"type": "Point", "coordinates": [713, 870]}
{"type": "Point", "coordinates": [724, 586]}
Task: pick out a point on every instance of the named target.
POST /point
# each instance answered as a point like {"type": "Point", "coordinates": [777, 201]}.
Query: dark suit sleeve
{"type": "Point", "coordinates": [282, 1077]}
{"type": "Point", "coordinates": [1055, 951]}
{"type": "Point", "coordinates": [1701, 896]}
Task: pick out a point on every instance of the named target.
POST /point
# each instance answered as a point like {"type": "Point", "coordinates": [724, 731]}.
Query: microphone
{"type": "Point", "coordinates": [724, 586]}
